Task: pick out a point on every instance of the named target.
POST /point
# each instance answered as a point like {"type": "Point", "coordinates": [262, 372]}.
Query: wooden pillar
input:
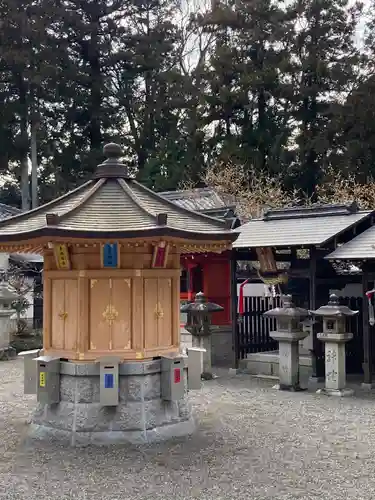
{"type": "Point", "coordinates": [47, 307]}
{"type": "Point", "coordinates": [233, 285]}
{"type": "Point", "coordinates": [367, 354]}
{"type": "Point", "coordinates": [82, 344]}
{"type": "Point", "coordinates": [318, 369]}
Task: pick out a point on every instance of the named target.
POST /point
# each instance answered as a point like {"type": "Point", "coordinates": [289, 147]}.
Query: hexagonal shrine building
{"type": "Point", "coordinates": [111, 253]}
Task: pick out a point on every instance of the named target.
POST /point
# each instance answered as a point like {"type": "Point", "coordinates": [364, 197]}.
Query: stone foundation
{"type": "Point", "coordinates": [140, 417]}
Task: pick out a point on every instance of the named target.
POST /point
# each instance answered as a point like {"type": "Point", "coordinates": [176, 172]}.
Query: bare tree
{"type": "Point", "coordinates": [20, 278]}
{"type": "Point", "coordinates": [254, 191]}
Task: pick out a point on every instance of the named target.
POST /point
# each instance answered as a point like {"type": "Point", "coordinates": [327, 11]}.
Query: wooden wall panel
{"type": "Point", "coordinates": [71, 309]}
{"type": "Point", "coordinates": [58, 310]}
{"type": "Point", "coordinates": [121, 300]}
{"type": "Point", "coordinates": [100, 303]}
{"type": "Point", "coordinates": [150, 312]}
{"type": "Point", "coordinates": [138, 315]}
{"type": "Point", "coordinates": [164, 322]}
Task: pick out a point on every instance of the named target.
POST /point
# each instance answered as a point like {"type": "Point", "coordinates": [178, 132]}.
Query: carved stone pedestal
{"type": "Point", "coordinates": [289, 359]}
{"type": "Point", "coordinates": [140, 417]}
{"type": "Point", "coordinates": [335, 378]}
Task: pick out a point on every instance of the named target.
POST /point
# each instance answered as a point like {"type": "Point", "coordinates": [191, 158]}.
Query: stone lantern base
{"type": "Point", "coordinates": [140, 417]}
{"type": "Point", "coordinates": [341, 393]}
{"type": "Point", "coordinates": [335, 378]}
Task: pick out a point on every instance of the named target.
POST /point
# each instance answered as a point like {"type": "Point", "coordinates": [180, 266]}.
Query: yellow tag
{"type": "Point", "coordinates": [62, 256]}
{"type": "Point", "coordinates": [138, 355]}
{"type": "Point", "coordinates": [42, 379]}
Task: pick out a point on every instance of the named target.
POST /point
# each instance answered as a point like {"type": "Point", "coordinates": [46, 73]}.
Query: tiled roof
{"type": "Point", "coordinates": [360, 247]}
{"type": "Point", "coordinates": [200, 199]}
{"type": "Point", "coordinates": [8, 211]}
{"type": "Point", "coordinates": [113, 205]}
{"type": "Point", "coordinates": [299, 226]}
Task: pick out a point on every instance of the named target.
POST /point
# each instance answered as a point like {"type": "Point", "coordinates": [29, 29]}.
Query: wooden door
{"type": "Point", "coordinates": [64, 314]}
{"type": "Point", "coordinates": [100, 314]}
{"type": "Point", "coordinates": [158, 312]}
{"type": "Point", "coordinates": [122, 304]}
{"type": "Point", "coordinates": [110, 314]}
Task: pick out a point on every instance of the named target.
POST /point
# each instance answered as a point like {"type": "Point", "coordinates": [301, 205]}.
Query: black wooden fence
{"type": "Point", "coordinates": [354, 348]}
{"type": "Point", "coordinates": [253, 330]}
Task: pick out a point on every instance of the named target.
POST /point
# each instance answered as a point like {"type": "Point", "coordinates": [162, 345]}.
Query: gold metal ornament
{"type": "Point", "coordinates": [159, 313]}
{"type": "Point", "coordinates": [110, 314]}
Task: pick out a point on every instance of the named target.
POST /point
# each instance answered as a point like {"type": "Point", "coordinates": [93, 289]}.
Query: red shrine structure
{"type": "Point", "coordinates": [209, 273]}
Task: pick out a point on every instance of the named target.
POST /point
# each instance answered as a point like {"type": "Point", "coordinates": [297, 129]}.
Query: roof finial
{"type": "Point", "coordinates": [112, 167]}
{"type": "Point", "coordinates": [112, 150]}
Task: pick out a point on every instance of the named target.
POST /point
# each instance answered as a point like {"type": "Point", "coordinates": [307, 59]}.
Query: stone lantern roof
{"type": "Point", "coordinates": [288, 310]}
{"type": "Point", "coordinates": [200, 304]}
{"type": "Point", "coordinates": [112, 205]}
{"type": "Point", "coordinates": [334, 309]}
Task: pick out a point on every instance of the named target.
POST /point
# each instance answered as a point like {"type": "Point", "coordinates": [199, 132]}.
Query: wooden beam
{"type": "Point", "coordinates": [233, 286]}
{"type": "Point", "coordinates": [367, 354]}
{"type": "Point", "coordinates": [317, 353]}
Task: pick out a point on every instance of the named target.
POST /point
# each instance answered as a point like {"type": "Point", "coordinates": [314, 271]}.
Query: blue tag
{"type": "Point", "coordinates": [110, 255]}
{"type": "Point", "coordinates": [108, 381]}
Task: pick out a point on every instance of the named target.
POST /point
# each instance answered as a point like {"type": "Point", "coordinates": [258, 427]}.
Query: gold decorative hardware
{"type": "Point", "coordinates": [138, 272]}
{"type": "Point", "coordinates": [63, 315]}
{"type": "Point", "coordinates": [81, 356]}
{"type": "Point", "coordinates": [82, 274]}
{"type": "Point", "coordinates": [159, 313]}
{"type": "Point", "coordinates": [110, 314]}
{"type": "Point", "coordinates": [93, 282]}
{"type": "Point", "coordinates": [92, 346]}
{"type": "Point", "coordinates": [139, 355]}
{"type": "Point", "coordinates": [169, 283]}
{"type": "Point", "coordinates": [110, 345]}
{"type": "Point", "coordinates": [127, 281]}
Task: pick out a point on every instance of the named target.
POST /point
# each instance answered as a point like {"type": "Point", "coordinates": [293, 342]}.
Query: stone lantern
{"type": "Point", "coordinates": [6, 311]}
{"type": "Point", "coordinates": [289, 333]}
{"type": "Point", "coordinates": [198, 324]}
{"type": "Point", "coordinates": [335, 336]}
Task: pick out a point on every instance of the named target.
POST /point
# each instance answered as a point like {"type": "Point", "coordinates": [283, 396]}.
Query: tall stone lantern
{"type": "Point", "coordinates": [334, 336]}
{"type": "Point", "coordinates": [288, 334]}
{"type": "Point", "coordinates": [110, 370]}
{"type": "Point", "coordinates": [198, 324]}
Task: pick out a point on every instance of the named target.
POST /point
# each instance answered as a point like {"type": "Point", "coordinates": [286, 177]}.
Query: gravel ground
{"type": "Point", "coordinates": [252, 442]}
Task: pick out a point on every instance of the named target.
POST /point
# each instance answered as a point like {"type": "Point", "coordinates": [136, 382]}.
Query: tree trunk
{"type": "Point", "coordinates": [34, 165]}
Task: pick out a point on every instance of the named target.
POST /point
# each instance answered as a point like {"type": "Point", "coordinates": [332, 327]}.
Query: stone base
{"type": "Point", "coordinates": [290, 388]}
{"type": "Point", "coordinates": [99, 438]}
{"type": "Point", "coordinates": [316, 380]}
{"type": "Point", "coordinates": [341, 393]}
{"type": "Point", "coordinates": [140, 417]}
{"type": "Point", "coordinates": [7, 353]}
{"type": "Point", "coordinates": [366, 387]}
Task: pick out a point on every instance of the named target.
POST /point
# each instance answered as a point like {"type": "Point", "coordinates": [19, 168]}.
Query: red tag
{"type": "Point", "coordinates": [177, 375]}
{"type": "Point", "coordinates": [160, 257]}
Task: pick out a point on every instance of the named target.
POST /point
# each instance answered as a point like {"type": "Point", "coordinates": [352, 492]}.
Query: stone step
{"type": "Point", "coordinates": [267, 363]}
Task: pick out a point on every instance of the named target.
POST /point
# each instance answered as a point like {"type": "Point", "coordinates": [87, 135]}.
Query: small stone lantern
{"type": "Point", "coordinates": [198, 324]}
{"type": "Point", "coordinates": [335, 336]}
{"type": "Point", "coordinates": [288, 334]}
{"type": "Point", "coordinates": [6, 311]}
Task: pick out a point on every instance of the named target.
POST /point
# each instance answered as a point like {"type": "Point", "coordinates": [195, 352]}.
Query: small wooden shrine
{"type": "Point", "coordinates": [112, 253]}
